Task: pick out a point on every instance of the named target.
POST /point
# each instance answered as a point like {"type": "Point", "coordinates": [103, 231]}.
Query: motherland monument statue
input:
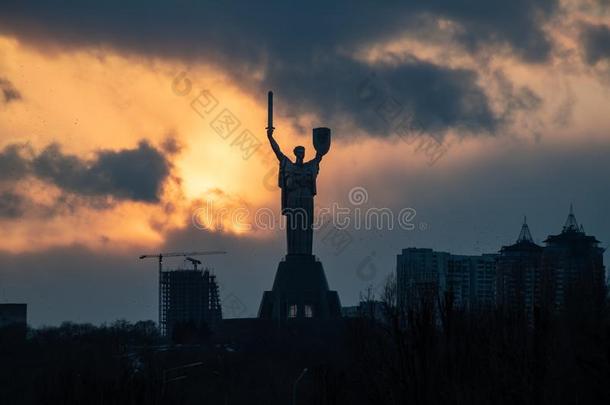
{"type": "Point", "coordinates": [300, 289]}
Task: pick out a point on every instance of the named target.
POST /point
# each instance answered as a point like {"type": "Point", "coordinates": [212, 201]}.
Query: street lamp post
{"type": "Point", "coordinates": [294, 386]}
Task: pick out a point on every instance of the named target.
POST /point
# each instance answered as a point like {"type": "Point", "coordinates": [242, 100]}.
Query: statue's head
{"type": "Point", "coordinates": [299, 152]}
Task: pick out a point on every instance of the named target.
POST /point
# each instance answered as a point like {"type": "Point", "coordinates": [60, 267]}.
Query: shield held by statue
{"type": "Point", "coordinates": [321, 140]}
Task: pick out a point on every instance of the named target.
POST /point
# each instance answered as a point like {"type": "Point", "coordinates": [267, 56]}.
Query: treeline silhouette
{"type": "Point", "coordinates": [436, 353]}
{"type": "Point", "coordinates": [429, 355]}
{"type": "Point", "coordinates": [74, 364]}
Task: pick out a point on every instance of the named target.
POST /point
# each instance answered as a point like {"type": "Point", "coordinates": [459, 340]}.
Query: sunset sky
{"type": "Point", "coordinates": [109, 145]}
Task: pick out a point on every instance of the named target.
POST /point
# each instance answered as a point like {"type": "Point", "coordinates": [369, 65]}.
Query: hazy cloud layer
{"type": "Point", "coordinates": [475, 215]}
{"type": "Point", "coordinates": [12, 205]}
{"type": "Point", "coordinates": [438, 97]}
{"type": "Point", "coordinates": [305, 50]}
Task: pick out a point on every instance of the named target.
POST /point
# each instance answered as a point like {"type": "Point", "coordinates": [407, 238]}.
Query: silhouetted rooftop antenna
{"type": "Point", "coordinates": [525, 235]}
{"type": "Point", "coordinates": [571, 224]}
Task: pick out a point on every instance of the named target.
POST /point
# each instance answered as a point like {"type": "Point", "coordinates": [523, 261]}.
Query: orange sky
{"type": "Point", "coordinates": [91, 99]}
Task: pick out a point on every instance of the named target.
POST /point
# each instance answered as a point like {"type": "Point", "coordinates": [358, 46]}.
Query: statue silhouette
{"type": "Point", "coordinates": [297, 181]}
{"type": "Point", "coordinates": [300, 289]}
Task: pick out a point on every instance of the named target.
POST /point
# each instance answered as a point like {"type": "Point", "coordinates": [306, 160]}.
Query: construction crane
{"type": "Point", "coordinates": [160, 257]}
{"type": "Point", "coordinates": [194, 262]}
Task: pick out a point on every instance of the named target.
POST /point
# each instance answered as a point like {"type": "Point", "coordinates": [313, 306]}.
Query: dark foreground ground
{"type": "Point", "coordinates": [459, 359]}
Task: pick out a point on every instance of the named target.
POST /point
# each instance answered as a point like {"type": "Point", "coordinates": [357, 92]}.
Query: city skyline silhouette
{"type": "Point", "coordinates": [346, 202]}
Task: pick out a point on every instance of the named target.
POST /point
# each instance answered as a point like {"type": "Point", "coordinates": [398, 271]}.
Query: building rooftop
{"type": "Point", "coordinates": [571, 232]}
{"type": "Point", "coordinates": [524, 241]}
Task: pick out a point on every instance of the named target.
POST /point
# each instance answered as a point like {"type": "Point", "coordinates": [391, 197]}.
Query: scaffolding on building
{"type": "Point", "coordinates": [178, 304]}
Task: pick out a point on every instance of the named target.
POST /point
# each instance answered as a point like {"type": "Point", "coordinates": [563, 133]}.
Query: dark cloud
{"type": "Point", "coordinates": [518, 24]}
{"type": "Point", "coordinates": [11, 205]}
{"type": "Point", "coordinates": [516, 99]}
{"type": "Point", "coordinates": [596, 42]}
{"type": "Point", "coordinates": [19, 205]}
{"type": "Point", "coordinates": [171, 145]}
{"type": "Point", "coordinates": [14, 164]}
{"type": "Point", "coordinates": [130, 174]}
{"type": "Point", "coordinates": [9, 92]}
{"type": "Point", "coordinates": [246, 30]}
{"type": "Point", "coordinates": [440, 98]}
{"type": "Point", "coordinates": [302, 48]}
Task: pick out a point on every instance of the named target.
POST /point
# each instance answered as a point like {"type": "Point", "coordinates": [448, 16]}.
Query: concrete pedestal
{"type": "Point", "coordinates": [300, 291]}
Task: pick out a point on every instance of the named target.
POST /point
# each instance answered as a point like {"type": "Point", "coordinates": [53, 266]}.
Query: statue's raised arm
{"type": "Point", "coordinates": [274, 145]}
{"type": "Point", "coordinates": [318, 157]}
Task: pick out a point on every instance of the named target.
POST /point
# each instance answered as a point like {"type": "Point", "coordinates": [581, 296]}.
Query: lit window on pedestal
{"type": "Point", "coordinates": [292, 311]}
{"type": "Point", "coordinates": [308, 311]}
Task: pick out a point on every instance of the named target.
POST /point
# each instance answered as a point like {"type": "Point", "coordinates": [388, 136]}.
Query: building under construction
{"type": "Point", "coordinates": [188, 298]}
